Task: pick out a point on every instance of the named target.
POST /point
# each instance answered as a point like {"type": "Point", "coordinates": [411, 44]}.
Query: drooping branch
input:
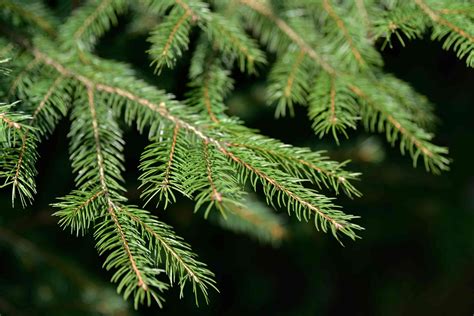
{"type": "Point", "coordinates": [281, 188]}
{"type": "Point", "coordinates": [393, 121]}
{"type": "Point", "coordinates": [436, 18]}
{"type": "Point", "coordinates": [341, 25]}
{"type": "Point", "coordinates": [161, 110]}
{"type": "Point", "coordinates": [111, 207]}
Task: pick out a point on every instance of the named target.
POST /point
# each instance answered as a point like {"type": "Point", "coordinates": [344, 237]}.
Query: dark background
{"type": "Point", "coordinates": [416, 255]}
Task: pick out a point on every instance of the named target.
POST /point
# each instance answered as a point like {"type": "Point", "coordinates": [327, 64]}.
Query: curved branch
{"type": "Point", "coordinates": [439, 19]}
{"type": "Point", "coordinates": [163, 111]}
{"type": "Point", "coordinates": [110, 204]}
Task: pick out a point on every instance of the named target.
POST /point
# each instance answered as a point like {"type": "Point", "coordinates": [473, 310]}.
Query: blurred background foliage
{"type": "Point", "coordinates": [416, 256]}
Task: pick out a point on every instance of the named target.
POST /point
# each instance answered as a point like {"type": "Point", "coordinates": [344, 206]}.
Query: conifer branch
{"type": "Point", "coordinates": [210, 84]}
{"type": "Point", "coordinates": [331, 176]}
{"type": "Point", "coordinates": [412, 135]}
{"type": "Point", "coordinates": [341, 225]}
{"type": "Point", "coordinates": [16, 169]}
{"type": "Point", "coordinates": [166, 246]}
{"type": "Point", "coordinates": [458, 33]}
{"type": "Point", "coordinates": [179, 260]}
{"type": "Point", "coordinates": [98, 147]}
{"type": "Point", "coordinates": [87, 202]}
{"type": "Point", "coordinates": [341, 25]}
{"type": "Point", "coordinates": [111, 206]}
{"type": "Point", "coordinates": [31, 14]}
{"type": "Point", "coordinates": [332, 107]}
{"type": "Point", "coordinates": [89, 22]}
{"type": "Point", "coordinates": [448, 24]}
{"type": "Point", "coordinates": [170, 39]}
{"type": "Point", "coordinates": [78, 34]}
{"type": "Point", "coordinates": [141, 283]}
{"type": "Point", "coordinates": [26, 158]}
{"type": "Point", "coordinates": [16, 177]}
{"type": "Point", "coordinates": [79, 210]}
{"type": "Point", "coordinates": [170, 159]}
{"type": "Point", "coordinates": [394, 122]}
{"type": "Point", "coordinates": [324, 58]}
{"type": "Point", "coordinates": [438, 19]}
{"type": "Point", "coordinates": [173, 32]}
{"type": "Point", "coordinates": [232, 40]}
{"type": "Point", "coordinates": [289, 80]}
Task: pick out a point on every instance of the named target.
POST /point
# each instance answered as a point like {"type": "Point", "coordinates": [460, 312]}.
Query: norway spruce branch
{"type": "Point", "coordinates": [181, 264]}
{"type": "Point", "coordinates": [89, 22]}
{"type": "Point", "coordinates": [170, 39]}
{"type": "Point", "coordinates": [378, 115]}
{"type": "Point", "coordinates": [210, 177]}
{"type": "Point", "coordinates": [299, 162]}
{"type": "Point", "coordinates": [344, 226]}
{"type": "Point", "coordinates": [268, 13]}
{"type": "Point", "coordinates": [348, 36]}
{"type": "Point", "coordinates": [161, 110]}
{"type": "Point", "coordinates": [289, 193]}
{"type": "Point", "coordinates": [234, 43]}
{"type": "Point", "coordinates": [289, 80]}
{"type": "Point", "coordinates": [434, 161]}
{"type": "Point", "coordinates": [31, 12]}
{"type": "Point", "coordinates": [450, 22]}
{"type": "Point", "coordinates": [159, 168]}
{"type": "Point", "coordinates": [457, 33]}
{"type": "Point", "coordinates": [402, 22]}
{"type": "Point", "coordinates": [209, 89]}
{"type": "Point", "coordinates": [254, 218]}
{"type": "Point", "coordinates": [135, 271]}
{"type": "Point", "coordinates": [332, 108]}
{"type": "Point", "coordinates": [325, 59]}
{"type": "Point", "coordinates": [79, 210]}
{"type": "Point", "coordinates": [416, 104]}
{"type": "Point", "coordinates": [13, 127]}
{"type": "Point", "coordinates": [46, 106]}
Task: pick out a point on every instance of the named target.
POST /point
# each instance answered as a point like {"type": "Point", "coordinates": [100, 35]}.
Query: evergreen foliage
{"type": "Point", "coordinates": [326, 59]}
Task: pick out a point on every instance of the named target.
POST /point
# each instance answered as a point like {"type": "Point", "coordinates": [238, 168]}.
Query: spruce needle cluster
{"type": "Point", "coordinates": [326, 57]}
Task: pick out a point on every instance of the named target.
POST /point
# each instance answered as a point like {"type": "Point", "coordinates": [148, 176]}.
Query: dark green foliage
{"type": "Point", "coordinates": [325, 58]}
{"type": "Point", "coordinates": [332, 106]}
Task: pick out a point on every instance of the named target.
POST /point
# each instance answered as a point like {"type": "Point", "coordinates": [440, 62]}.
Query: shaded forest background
{"type": "Point", "coordinates": [416, 256]}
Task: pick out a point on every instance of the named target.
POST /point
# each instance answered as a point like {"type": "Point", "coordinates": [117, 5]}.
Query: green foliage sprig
{"type": "Point", "coordinates": [326, 59]}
